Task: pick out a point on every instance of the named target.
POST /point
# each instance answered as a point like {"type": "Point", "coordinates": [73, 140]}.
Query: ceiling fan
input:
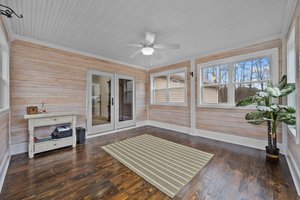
{"type": "Point", "coordinates": [148, 47]}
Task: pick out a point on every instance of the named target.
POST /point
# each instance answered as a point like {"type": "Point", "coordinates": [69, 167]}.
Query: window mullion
{"type": "Point", "coordinates": [231, 84]}
{"type": "Point", "coordinates": [168, 88]}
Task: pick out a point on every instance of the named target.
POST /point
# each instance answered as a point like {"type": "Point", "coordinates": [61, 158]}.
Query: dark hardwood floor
{"type": "Point", "coordinates": [87, 172]}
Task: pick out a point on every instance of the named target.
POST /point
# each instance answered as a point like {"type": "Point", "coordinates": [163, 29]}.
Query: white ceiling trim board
{"type": "Point", "coordinates": [7, 25]}
{"type": "Point", "coordinates": [216, 51]}
{"type": "Point", "coordinates": [289, 13]}
{"type": "Point", "coordinates": [47, 44]}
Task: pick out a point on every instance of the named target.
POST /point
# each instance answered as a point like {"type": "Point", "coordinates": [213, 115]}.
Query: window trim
{"type": "Point", "coordinates": [4, 50]}
{"type": "Point", "coordinates": [167, 73]}
{"type": "Point", "coordinates": [273, 53]}
{"type": "Point", "coordinates": [292, 129]}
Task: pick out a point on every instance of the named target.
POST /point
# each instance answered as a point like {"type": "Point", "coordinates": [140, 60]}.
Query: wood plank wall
{"type": "Point", "coordinates": [4, 134]}
{"type": "Point", "coordinates": [58, 78]}
{"type": "Point", "coordinates": [178, 115]}
{"type": "Point", "coordinates": [231, 121]}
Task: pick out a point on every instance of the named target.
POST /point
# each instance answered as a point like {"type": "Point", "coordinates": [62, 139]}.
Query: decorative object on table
{"type": "Point", "coordinates": [42, 139]}
{"type": "Point", "coordinates": [32, 110]}
{"type": "Point", "coordinates": [43, 110]}
{"type": "Point", "coordinates": [270, 112]}
{"type": "Point", "coordinates": [61, 132]}
{"type": "Point", "coordinates": [166, 165]}
{"type": "Point", "coordinates": [8, 12]}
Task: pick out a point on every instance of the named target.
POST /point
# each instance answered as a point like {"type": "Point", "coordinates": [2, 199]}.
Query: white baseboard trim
{"type": "Point", "coordinates": [19, 148]}
{"type": "Point", "coordinates": [244, 141]}
{"type": "Point", "coordinates": [3, 168]}
{"type": "Point", "coordinates": [294, 169]}
{"type": "Point", "coordinates": [138, 124]}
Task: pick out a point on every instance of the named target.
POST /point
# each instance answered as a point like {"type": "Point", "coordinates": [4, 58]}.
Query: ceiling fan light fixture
{"type": "Point", "coordinates": [147, 51]}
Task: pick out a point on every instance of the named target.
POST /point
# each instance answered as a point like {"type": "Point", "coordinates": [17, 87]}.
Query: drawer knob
{"type": "Point", "coordinates": [54, 119]}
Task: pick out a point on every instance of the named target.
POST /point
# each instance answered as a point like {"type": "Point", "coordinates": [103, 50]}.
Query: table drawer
{"type": "Point", "coordinates": [52, 120]}
{"type": "Point", "coordinates": [53, 144]}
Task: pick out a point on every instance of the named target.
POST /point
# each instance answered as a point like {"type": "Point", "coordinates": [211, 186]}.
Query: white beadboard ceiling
{"type": "Point", "coordinates": [99, 26]}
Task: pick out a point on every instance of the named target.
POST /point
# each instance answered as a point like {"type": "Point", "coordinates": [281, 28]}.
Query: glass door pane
{"type": "Point", "coordinates": [125, 92]}
{"type": "Point", "coordinates": [101, 89]}
{"type": "Point", "coordinates": [101, 96]}
{"type": "Point", "coordinates": [125, 99]}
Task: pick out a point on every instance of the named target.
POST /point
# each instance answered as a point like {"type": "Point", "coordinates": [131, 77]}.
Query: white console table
{"type": "Point", "coordinates": [38, 120]}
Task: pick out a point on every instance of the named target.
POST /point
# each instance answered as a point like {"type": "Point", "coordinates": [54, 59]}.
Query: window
{"type": "Point", "coordinates": [4, 72]}
{"type": "Point", "coordinates": [169, 87]}
{"type": "Point", "coordinates": [228, 81]}
{"type": "Point", "coordinates": [291, 71]}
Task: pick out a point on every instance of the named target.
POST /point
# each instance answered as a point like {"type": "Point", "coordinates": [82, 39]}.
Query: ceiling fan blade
{"type": "Point", "coordinates": [133, 45]}
{"type": "Point", "coordinates": [149, 37]}
{"type": "Point", "coordinates": [135, 53]}
{"type": "Point", "coordinates": [157, 54]}
{"type": "Point", "coordinates": [166, 46]}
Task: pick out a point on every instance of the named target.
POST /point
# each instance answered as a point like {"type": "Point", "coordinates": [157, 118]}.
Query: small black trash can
{"type": "Point", "coordinates": [80, 133]}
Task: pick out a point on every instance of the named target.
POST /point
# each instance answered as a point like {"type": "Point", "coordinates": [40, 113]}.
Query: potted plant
{"type": "Point", "coordinates": [270, 112]}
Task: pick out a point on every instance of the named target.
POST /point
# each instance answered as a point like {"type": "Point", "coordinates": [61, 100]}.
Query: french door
{"type": "Point", "coordinates": [125, 101]}
{"type": "Point", "coordinates": [111, 102]}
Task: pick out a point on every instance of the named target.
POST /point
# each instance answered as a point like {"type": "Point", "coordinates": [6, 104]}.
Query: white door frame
{"type": "Point", "coordinates": [127, 123]}
{"type": "Point", "coordinates": [115, 124]}
{"type": "Point", "coordinates": [104, 127]}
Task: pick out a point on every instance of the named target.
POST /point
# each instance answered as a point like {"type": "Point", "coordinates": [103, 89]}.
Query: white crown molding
{"type": "Point", "coordinates": [289, 13]}
{"type": "Point", "coordinates": [83, 53]}
{"type": "Point", "coordinates": [10, 32]}
{"type": "Point", "coordinates": [217, 51]}
{"type": "Point", "coordinates": [4, 167]}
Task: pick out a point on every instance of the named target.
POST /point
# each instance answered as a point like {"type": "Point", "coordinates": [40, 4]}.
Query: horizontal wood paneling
{"type": "Point", "coordinates": [178, 115]}
{"type": "Point", "coordinates": [232, 121]}
{"type": "Point", "coordinates": [4, 134]}
{"type": "Point", "coordinates": [58, 78]}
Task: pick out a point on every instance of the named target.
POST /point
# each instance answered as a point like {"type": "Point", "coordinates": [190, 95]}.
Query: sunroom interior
{"type": "Point", "coordinates": [127, 71]}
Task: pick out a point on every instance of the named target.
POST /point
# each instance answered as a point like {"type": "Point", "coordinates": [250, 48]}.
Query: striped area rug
{"type": "Point", "coordinates": [166, 165]}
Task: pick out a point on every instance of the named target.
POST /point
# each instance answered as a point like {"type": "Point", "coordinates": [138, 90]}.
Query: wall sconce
{"type": "Point", "coordinates": [8, 12]}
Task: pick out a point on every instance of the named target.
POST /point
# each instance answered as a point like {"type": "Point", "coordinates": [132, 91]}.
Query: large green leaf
{"type": "Point", "coordinates": [287, 118]}
{"type": "Point", "coordinates": [255, 117]}
{"type": "Point", "coordinates": [265, 108]}
{"type": "Point", "coordinates": [288, 109]}
{"type": "Point", "coordinates": [262, 94]}
{"type": "Point", "coordinates": [282, 82]}
{"type": "Point", "coordinates": [273, 91]}
{"type": "Point", "coordinates": [288, 88]}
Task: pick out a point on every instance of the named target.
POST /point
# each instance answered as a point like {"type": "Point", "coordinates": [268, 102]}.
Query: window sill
{"type": "Point", "coordinates": [163, 104]}
{"type": "Point", "coordinates": [216, 106]}
{"type": "Point", "coordinates": [293, 132]}
{"type": "Point", "coordinates": [3, 110]}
